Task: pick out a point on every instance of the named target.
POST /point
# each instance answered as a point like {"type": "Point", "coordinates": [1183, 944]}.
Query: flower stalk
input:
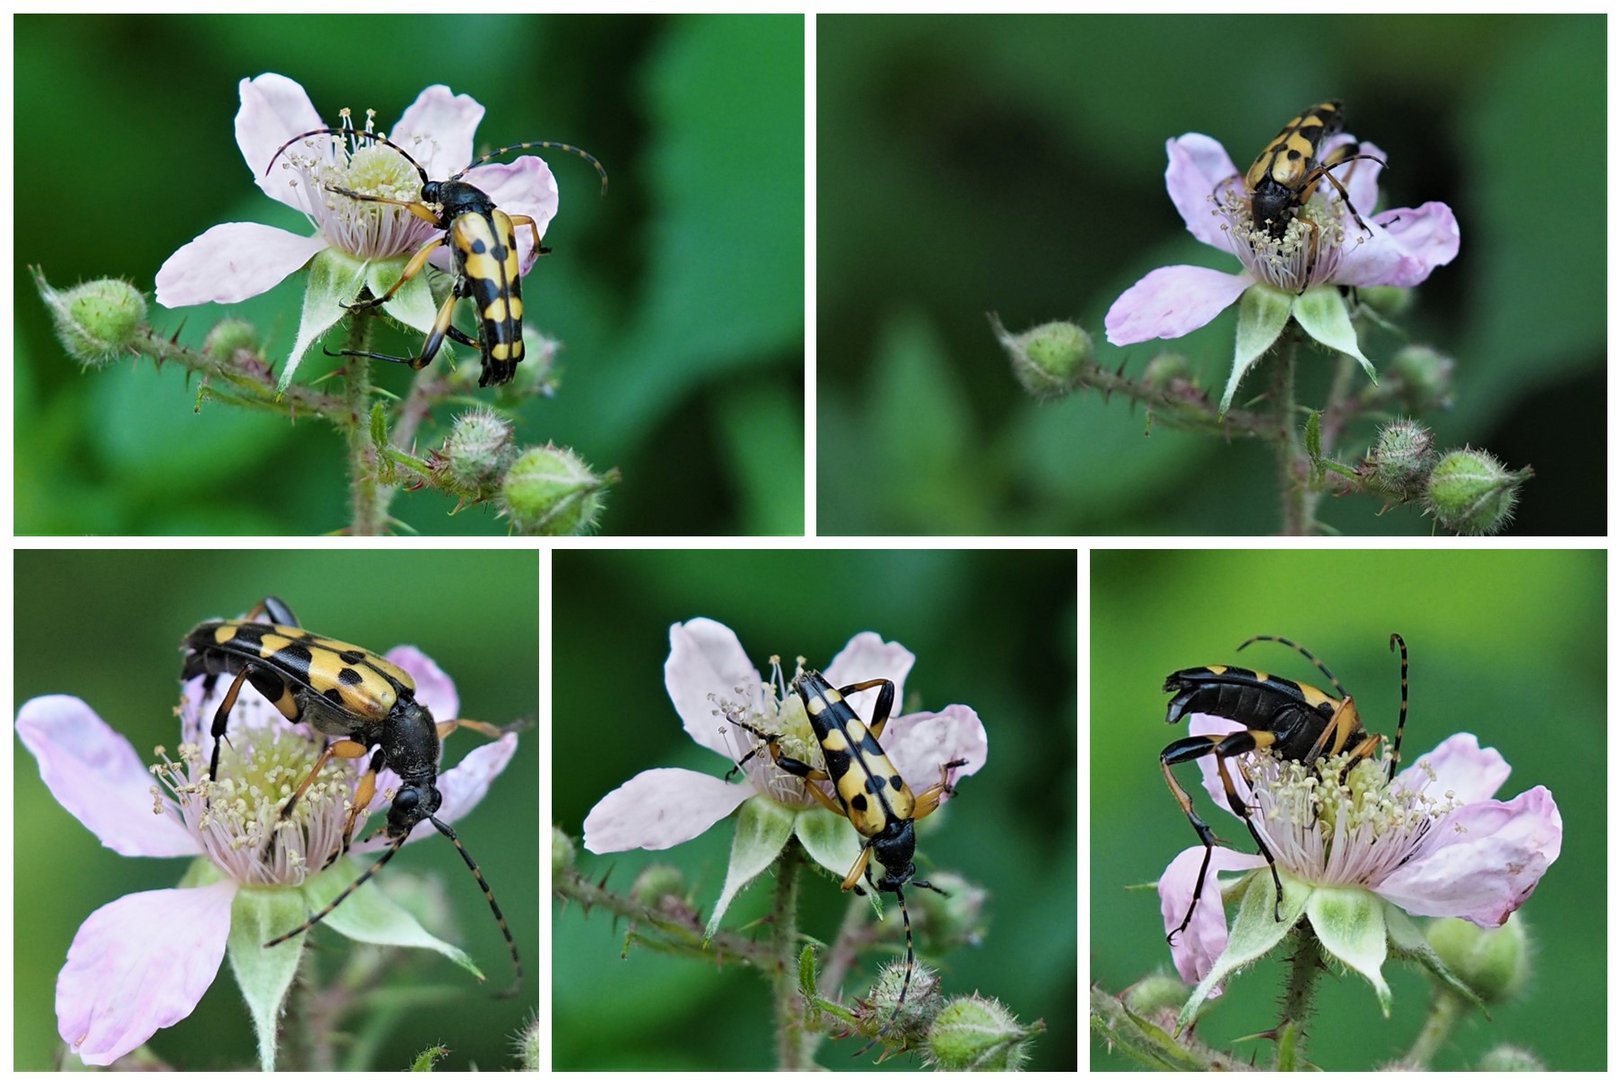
{"type": "Point", "coordinates": [369, 497]}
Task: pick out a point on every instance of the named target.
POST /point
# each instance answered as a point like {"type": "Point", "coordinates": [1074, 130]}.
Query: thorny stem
{"type": "Point", "coordinates": [1291, 464]}
{"type": "Point", "coordinates": [369, 497]}
{"type": "Point", "coordinates": [679, 931]}
{"type": "Point", "coordinates": [791, 1055]}
{"type": "Point", "coordinates": [1181, 405]}
{"type": "Point", "coordinates": [1303, 968]}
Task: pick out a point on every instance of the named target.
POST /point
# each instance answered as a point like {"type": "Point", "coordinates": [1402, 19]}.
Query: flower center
{"type": "Point", "coordinates": [234, 815]}
{"type": "Point", "coordinates": [1339, 821]}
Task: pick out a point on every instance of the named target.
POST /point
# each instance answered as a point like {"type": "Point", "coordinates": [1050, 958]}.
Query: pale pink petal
{"type": "Point", "coordinates": [139, 964]}
{"type": "Point", "coordinates": [437, 130]}
{"type": "Point", "coordinates": [1171, 302]}
{"type": "Point", "coordinates": [1429, 236]}
{"type": "Point", "coordinates": [232, 262]}
{"type": "Point", "coordinates": [868, 656]}
{"type": "Point", "coordinates": [1197, 947]}
{"type": "Point", "coordinates": [919, 743]}
{"type": "Point", "coordinates": [274, 109]}
{"type": "Point", "coordinates": [1460, 769]}
{"type": "Point", "coordinates": [98, 778]}
{"type": "Point", "coordinates": [706, 661]}
{"type": "Point", "coordinates": [660, 808]}
{"type": "Point", "coordinates": [1486, 860]}
{"type": "Point", "coordinates": [522, 187]}
{"type": "Point", "coordinates": [434, 688]}
{"type": "Point", "coordinates": [1199, 167]}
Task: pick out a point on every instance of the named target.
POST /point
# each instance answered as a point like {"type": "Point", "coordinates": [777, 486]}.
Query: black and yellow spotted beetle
{"type": "Point", "coordinates": [355, 696]}
{"type": "Point", "coordinates": [483, 242]}
{"type": "Point", "coordinates": [1294, 721]}
{"type": "Point", "coordinates": [869, 792]}
{"type": "Point", "coordinates": [1286, 173]}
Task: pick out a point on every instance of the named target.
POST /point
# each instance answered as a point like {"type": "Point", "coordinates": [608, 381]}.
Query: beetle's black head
{"type": "Point", "coordinates": [456, 197]}
{"type": "Point", "coordinates": [413, 804]}
{"type": "Point", "coordinates": [1273, 207]}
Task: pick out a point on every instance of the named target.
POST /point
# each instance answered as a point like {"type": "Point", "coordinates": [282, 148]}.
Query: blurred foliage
{"type": "Point", "coordinates": [1016, 165]}
{"type": "Point", "coordinates": [106, 627]}
{"type": "Point", "coordinates": [993, 630]}
{"type": "Point", "coordinates": [1507, 645]}
{"type": "Point", "coordinates": [679, 298]}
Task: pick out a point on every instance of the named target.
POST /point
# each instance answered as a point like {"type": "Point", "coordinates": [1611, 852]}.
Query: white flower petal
{"type": "Point", "coordinates": [98, 778]}
{"type": "Point", "coordinates": [660, 808]}
{"type": "Point", "coordinates": [139, 964]}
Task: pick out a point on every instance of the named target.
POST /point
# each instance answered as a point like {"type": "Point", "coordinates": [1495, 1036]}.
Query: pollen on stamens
{"type": "Point", "coordinates": [1309, 252]}
{"type": "Point", "coordinates": [1340, 820]}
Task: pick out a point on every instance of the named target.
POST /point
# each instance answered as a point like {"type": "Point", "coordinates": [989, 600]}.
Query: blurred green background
{"type": "Point", "coordinates": [990, 629]}
{"type": "Point", "coordinates": [679, 297]}
{"type": "Point", "coordinates": [1016, 165]}
{"type": "Point", "coordinates": [1508, 645]}
{"type": "Point", "coordinates": [106, 627]}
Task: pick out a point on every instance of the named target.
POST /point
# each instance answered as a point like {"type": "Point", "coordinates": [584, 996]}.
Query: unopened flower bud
{"type": "Point", "coordinates": [229, 337]}
{"type": "Point", "coordinates": [655, 883]}
{"type": "Point", "coordinates": [563, 850]}
{"type": "Point", "coordinates": [978, 1034]}
{"type": "Point", "coordinates": [477, 452]}
{"type": "Point", "coordinates": [1048, 360]}
{"type": "Point", "coordinates": [1494, 963]}
{"type": "Point", "coordinates": [1400, 460]}
{"type": "Point", "coordinates": [1472, 493]}
{"type": "Point", "coordinates": [550, 491]}
{"type": "Point", "coordinates": [1389, 301]}
{"type": "Point", "coordinates": [97, 322]}
{"type": "Point", "coordinates": [1421, 378]}
{"type": "Point", "coordinates": [1167, 371]}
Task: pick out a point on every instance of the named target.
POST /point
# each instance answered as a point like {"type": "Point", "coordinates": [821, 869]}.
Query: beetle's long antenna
{"type": "Point", "coordinates": [489, 894]}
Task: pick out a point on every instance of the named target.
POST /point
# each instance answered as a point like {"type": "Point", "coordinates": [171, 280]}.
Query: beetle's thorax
{"type": "Point", "coordinates": [456, 197]}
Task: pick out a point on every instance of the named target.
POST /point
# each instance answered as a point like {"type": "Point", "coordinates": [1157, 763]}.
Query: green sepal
{"type": "Point", "coordinates": [265, 975]}
{"type": "Point", "coordinates": [763, 829]}
{"type": "Point", "coordinates": [1323, 315]}
{"type": "Point", "coordinates": [1350, 925]}
{"type": "Point", "coordinates": [335, 279]}
{"type": "Point", "coordinates": [1262, 314]}
{"type": "Point", "coordinates": [1255, 931]}
{"type": "Point", "coordinates": [830, 840]}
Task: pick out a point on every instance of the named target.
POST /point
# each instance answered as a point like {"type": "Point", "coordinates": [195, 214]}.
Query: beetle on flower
{"type": "Point", "coordinates": [355, 246]}
{"type": "Point", "coordinates": [1358, 857]}
{"type": "Point", "coordinates": [144, 961]}
{"type": "Point", "coordinates": [1280, 279]}
{"type": "Point", "coordinates": [710, 679]}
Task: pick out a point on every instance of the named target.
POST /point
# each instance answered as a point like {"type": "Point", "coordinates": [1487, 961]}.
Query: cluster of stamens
{"type": "Point", "coordinates": [1308, 253]}
{"type": "Point", "coordinates": [327, 165]}
{"type": "Point", "coordinates": [233, 815]}
{"type": "Point", "coordinates": [778, 716]}
{"type": "Point", "coordinates": [1338, 820]}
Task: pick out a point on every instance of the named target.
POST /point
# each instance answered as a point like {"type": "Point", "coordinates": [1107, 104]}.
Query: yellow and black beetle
{"type": "Point", "coordinates": [868, 790]}
{"type": "Point", "coordinates": [1286, 173]}
{"type": "Point", "coordinates": [483, 244]}
{"type": "Point", "coordinates": [352, 694]}
{"type": "Point", "coordinates": [1294, 721]}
